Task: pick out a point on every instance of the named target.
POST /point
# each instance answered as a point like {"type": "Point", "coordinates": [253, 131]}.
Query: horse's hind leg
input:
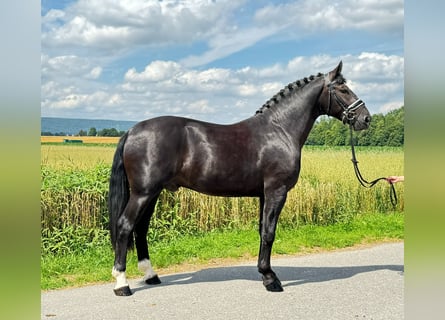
{"type": "Point", "coordinates": [141, 229]}
{"type": "Point", "coordinates": [126, 224]}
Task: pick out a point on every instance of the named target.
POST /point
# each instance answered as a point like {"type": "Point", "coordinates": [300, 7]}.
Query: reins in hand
{"type": "Point", "coordinates": [363, 181]}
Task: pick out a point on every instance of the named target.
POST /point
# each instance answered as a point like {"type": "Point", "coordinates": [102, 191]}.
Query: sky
{"type": "Point", "coordinates": [212, 60]}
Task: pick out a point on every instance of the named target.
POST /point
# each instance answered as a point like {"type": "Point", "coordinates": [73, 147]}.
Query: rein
{"type": "Point", "coordinates": [349, 118]}
{"type": "Point", "coordinates": [363, 181]}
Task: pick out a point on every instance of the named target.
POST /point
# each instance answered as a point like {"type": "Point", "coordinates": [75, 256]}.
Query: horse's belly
{"type": "Point", "coordinates": [224, 185]}
{"type": "Point", "coordinates": [227, 192]}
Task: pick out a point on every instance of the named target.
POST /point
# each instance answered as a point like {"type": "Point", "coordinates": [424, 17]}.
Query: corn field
{"type": "Point", "coordinates": [75, 185]}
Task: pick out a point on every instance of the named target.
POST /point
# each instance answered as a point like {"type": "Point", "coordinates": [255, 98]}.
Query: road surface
{"type": "Point", "coordinates": [365, 283]}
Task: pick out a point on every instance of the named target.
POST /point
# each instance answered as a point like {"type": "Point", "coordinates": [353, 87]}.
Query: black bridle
{"type": "Point", "coordinates": [349, 117]}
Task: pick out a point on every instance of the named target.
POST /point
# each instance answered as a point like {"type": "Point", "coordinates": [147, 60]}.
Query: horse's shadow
{"type": "Point", "coordinates": [291, 275]}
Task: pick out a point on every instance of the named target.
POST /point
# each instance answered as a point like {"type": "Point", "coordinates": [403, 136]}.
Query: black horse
{"type": "Point", "coordinates": [257, 157]}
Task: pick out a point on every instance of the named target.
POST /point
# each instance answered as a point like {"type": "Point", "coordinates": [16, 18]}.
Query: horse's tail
{"type": "Point", "coordinates": [119, 192]}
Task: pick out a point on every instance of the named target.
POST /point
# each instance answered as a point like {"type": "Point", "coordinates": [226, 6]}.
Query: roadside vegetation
{"type": "Point", "coordinates": [87, 256]}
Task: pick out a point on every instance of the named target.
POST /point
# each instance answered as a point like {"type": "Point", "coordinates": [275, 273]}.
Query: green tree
{"type": "Point", "coordinates": [395, 127]}
{"type": "Point", "coordinates": [109, 133]}
{"type": "Point", "coordinates": [92, 132]}
{"type": "Point", "coordinates": [384, 130]}
{"type": "Point", "coordinates": [336, 134]}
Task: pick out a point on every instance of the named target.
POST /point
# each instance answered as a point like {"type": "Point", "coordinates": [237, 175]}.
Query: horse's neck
{"type": "Point", "coordinates": [298, 113]}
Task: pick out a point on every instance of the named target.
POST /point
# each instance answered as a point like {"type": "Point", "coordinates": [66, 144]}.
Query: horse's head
{"type": "Point", "coordinates": [338, 101]}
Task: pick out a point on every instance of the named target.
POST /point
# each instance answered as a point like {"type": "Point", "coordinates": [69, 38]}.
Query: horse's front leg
{"type": "Point", "coordinates": [273, 203]}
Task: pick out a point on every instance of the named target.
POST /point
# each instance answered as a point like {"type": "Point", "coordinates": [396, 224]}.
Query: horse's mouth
{"type": "Point", "coordinates": [362, 121]}
{"type": "Point", "coordinates": [360, 125]}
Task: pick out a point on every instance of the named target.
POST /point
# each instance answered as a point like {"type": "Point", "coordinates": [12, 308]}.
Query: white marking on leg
{"type": "Point", "coordinates": [121, 278]}
{"type": "Point", "coordinates": [145, 267]}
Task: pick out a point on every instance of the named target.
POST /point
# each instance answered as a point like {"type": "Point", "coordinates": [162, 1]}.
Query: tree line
{"type": "Point", "coordinates": [92, 132]}
{"type": "Point", "coordinates": [385, 130]}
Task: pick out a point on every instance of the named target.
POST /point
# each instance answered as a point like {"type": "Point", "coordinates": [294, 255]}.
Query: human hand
{"type": "Point", "coordinates": [394, 179]}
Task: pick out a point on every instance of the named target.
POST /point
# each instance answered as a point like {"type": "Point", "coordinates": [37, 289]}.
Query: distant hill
{"type": "Point", "coordinates": [73, 126]}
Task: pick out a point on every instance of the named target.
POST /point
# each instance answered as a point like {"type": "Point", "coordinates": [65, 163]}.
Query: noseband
{"type": "Point", "coordinates": [349, 116]}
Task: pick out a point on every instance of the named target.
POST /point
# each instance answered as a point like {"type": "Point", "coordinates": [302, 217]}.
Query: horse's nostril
{"type": "Point", "coordinates": [368, 119]}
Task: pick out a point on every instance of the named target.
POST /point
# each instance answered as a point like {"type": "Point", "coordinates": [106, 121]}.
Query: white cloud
{"type": "Point", "coordinates": [248, 89]}
{"type": "Point", "coordinates": [95, 73]}
{"type": "Point", "coordinates": [155, 71]}
{"type": "Point", "coordinates": [52, 16]}
{"type": "Point", "coordinates": [68, 66]}
{"type": "Point", "coordinates": [81, 41]}
{"type": "Point", "coordinates": [314, 16]}
{"type": "Point", "coordinates": [200, 107]}
{"type": "Point", "coordinates": [225, 44]}
{"type": "Point", "coordinates": [371, 64]}
{"type": "Point", "coordinates": [118, 25]}
{"type": "Point", "coordinates": [385, 108]}
{"type": "Point", "coordinates": [227, 95]}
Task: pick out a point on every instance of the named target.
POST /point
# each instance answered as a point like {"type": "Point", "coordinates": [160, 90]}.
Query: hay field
{"type": "Point", "coordinates": [85, 139]}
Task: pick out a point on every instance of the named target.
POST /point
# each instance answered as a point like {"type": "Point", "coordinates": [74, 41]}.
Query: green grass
{"type": "Point", "coordinates": [92, 262]}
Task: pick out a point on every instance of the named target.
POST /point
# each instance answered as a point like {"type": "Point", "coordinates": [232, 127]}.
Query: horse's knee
{"type": "Point", "coordinates": [268, 238]}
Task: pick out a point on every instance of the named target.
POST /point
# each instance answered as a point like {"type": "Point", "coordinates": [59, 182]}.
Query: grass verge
{"type": "Point", "coordinates": [93, 264]}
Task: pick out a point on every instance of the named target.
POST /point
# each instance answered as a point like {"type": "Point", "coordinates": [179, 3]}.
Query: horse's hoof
{"type": "Point", "coordinates": [153, 280]}
{"type": "Point", "coordinates": [274, 286]}
{"type": "Point", "coordinates": [123, 291]}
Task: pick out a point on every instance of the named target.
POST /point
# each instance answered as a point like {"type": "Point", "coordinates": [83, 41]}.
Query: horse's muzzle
{"type": "Point", "coordinates": [361, 121]}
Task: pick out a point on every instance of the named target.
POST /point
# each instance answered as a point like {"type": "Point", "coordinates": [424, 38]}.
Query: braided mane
{"type": "Point", "coordinates": [286, 92]}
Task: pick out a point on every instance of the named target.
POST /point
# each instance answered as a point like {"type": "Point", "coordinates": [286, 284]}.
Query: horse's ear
{"type": "Point", "coordinates": [339, 67]}
{"type": "Point", "coordinates": [336, 72]}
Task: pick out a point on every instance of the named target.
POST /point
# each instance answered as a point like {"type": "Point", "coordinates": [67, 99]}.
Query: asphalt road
{"type": "Point", "coordinates": [364, 283]}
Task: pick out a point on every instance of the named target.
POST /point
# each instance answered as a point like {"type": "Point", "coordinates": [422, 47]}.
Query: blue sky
{"type": "Point", "coordinates": [212, 60]}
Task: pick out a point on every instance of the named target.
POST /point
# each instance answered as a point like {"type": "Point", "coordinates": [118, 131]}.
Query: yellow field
{"type": "Point", "coordinates": [76, 156]}
{"type": "Point", "coordinates": [85, 139]}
